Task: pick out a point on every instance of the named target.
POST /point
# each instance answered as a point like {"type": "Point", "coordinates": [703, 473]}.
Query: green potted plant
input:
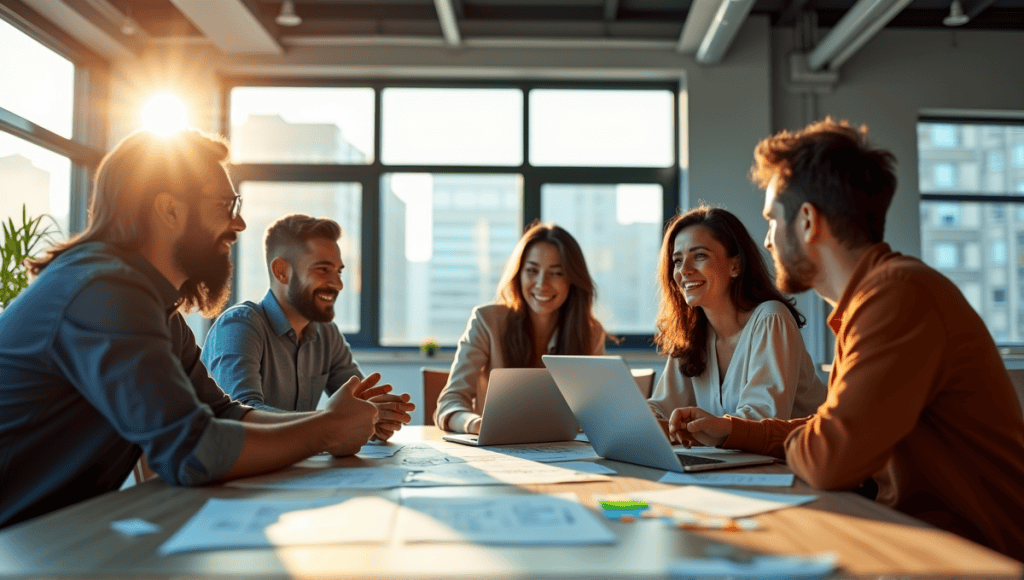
{"type": "Point", "coordinates": [21, 242]}
{"type": "Point", "coordinates": [429, 347]}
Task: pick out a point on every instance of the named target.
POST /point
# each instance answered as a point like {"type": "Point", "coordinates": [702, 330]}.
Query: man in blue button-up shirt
{"type": "Point", "coordinates": [283, 353]}
{"type": "Point", "coordinates": [97, 365]}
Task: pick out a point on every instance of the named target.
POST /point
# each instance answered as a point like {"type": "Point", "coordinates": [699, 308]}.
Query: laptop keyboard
{"type": "Point", "coordinates": [687, 459]}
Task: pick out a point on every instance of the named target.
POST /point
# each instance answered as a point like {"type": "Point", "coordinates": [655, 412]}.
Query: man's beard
{"type": "Point", "coordinates": [794, 271]}
{"type": "Point", "coordinates": [199, 256]}
{"type": "Point", "coordinates": [303, 301]}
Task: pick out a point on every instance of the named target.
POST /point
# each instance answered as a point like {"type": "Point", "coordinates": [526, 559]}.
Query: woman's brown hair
{"type": "Point", "coordinates": [578, 328]}
{"type": "Point", "coordinates": [682, 330]}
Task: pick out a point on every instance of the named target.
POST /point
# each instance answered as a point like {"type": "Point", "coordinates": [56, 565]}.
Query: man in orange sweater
{"type": "Point", "coordinates": [919, 398]}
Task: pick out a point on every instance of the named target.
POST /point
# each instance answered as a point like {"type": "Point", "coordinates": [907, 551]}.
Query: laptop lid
{"type": "Point", "coordinates": [617, 420]}
{"type": "Point", "coordinates": [522, 406]}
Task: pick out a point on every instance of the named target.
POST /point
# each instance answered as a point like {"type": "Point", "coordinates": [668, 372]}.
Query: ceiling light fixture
{"type": "Point", "coordinates": [288, 17]}
{"type": "Point", "coordinates": [956, 15]}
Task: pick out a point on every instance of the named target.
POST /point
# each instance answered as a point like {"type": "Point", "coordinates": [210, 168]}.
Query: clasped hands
{"type": "Point", "coordinates": [691, 426]}
{"type": "Point", "coordinates": [366, 409]}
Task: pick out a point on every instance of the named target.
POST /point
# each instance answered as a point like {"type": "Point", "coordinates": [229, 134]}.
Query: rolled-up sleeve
{"type": "Point", "coordinates": [115, 346]}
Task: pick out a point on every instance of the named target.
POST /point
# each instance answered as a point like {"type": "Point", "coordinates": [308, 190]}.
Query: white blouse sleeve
{"type": "Point", "coordinates": [673, 391]}
{"type": "Point", "coordinates": [771, 382]}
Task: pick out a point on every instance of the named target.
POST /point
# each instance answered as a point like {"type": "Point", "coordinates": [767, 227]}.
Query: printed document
{"type": "Point", "coordinates": [730, 504]}
{"type": "Point", "coordinates": [500, 520]}
{"type": "Point", "coordinates": [326, 478]}
{"type": "Point", "coordinates": [223, 524]}
{"type": "Point", "coordinates": [763, 479]}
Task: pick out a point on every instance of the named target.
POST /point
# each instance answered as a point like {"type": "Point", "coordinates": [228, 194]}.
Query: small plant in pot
{"type": "Point", "coordinates": [429, 347]}
{"type": "Point", "coordinates": [21, 241]}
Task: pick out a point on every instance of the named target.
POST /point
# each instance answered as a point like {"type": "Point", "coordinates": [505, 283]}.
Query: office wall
{"type": "Point", "coordinates": [892, 79]}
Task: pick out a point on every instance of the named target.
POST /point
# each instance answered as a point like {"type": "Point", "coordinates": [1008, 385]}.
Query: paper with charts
{"type": "Point", "coordinates": [730, 504]}
{"type": "Point", "coordinates": [223, 524]}
{"type": "Point", "coordinates": [500, 520]}
{"type": "Point", "coordinates": [326, 478]}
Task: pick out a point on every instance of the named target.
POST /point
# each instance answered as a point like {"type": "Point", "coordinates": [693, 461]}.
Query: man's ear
{"type": "Point", "coordinates": [281, 269]}
{"type": "Point", "coordinates": [809, 222]}
{"type": "Point", "coordinates": [170, 211]}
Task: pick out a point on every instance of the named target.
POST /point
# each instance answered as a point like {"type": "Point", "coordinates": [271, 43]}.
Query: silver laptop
{"type": "Point", "coordinates": [618, 422]}
{"type": "Point", "coordinates": [522, 406]}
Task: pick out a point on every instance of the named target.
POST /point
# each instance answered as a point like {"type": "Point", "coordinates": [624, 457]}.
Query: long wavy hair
{"type": "Point", "coordinates": [127, 182]}
{"type": "Point", "coordinates": [682, 330]}
{"type": "Point", "coordinates": [576, 322]}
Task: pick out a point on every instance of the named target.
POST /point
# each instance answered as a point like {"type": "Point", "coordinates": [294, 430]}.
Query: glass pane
{"type": "Point", "coordinates": [581, 128]}
{"type": "Point", "coordinates": [452, 126]}
{"type": "Point", "coordinates": [971, 158]}
{"type": "Point", "coordinates": [36, 177]}
{"type": "Point", "coordinates": [266, 202]}
{"type": "Point", "coordinates": [619, 228]}
{"type": "Point", "coordinates": [445, 240]}
{"type": "Point", "coordinates": [302, 125]}
{"type": "Point", "coordinates": [980, 247]}
{"type": "Point", "coordinates": [38, 84]}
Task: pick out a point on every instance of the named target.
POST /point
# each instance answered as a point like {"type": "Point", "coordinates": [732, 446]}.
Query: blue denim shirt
{"type": "Point", "coordinates": [255, 355]}
{"type": "Point", "coordinates": [96, 367]}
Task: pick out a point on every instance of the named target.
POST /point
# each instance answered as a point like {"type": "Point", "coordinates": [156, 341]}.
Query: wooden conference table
{"type": "Point", "coordinates": [870, 540]}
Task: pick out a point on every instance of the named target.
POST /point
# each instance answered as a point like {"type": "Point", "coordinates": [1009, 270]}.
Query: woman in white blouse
{"type": "Point", "coordinates": [543, 306]}
{"type": "Point", "coordinates": [733, 339]}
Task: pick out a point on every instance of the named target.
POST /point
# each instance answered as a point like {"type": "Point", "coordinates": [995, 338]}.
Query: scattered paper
{"type": "Point", "coordinates": [134, 527]}
{"type": "Point", "coordinates": [262, 523]}
{"type": "Point", "coordinates": [500, 520]}
{"type": "Point", "coordinates": [730, 504]}
{"type": "Point", "coordinates": [549, 452]}
{"type": "Point", "coordinates": [379, 449]}
{"type": "Point", "coordinates": [759, 567]}
{"type": "Point", "coordinates": [326, 478]}
{"type": "Point", "coordinates": [585, 466]}
{"type": "Point", "coordinates": [763, 479]}
{"type": "Point", "coordinates": [508, 472]}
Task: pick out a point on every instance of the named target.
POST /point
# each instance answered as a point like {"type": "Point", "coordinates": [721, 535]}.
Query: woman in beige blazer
{"type": "Point", "coordinates": [544, 305]}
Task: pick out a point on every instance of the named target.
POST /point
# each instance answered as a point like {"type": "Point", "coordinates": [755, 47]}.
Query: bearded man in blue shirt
{"type": "Point", "coordinates": [98, 366]}
{"type": "Point", "coordinates": [283, 353]}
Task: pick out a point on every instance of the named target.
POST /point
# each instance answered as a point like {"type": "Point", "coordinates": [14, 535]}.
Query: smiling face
{"type": "Point", "coordinates": [316, 280]}
{"type": "Point", "coordinates": [542, 279]}
{"type": "Point", "coordinates": [701, 269]}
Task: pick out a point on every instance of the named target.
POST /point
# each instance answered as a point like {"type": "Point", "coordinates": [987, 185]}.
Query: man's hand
{"type": "Point", "coordinates": [392, 413]}
{"type": "Point", "coordinates": [351, 417]}
{"type": "Point", "coordinates": [695, 426]}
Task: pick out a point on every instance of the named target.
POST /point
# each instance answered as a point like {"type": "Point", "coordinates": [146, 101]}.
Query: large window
{"type": "Point", "coordinates": [445, 181]}
{"type": "Point", "coordinates": [972, 215]}
{"type": "Point", "coordinates": [37, 108]}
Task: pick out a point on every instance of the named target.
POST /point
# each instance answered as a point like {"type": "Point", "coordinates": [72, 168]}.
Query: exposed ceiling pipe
{"type": "Point", "coordinates": [449, 26]}
{"type": "Point", "coordinates": [867, 34]}
{"type": "Point", "coordinates": [698, 21]}
{"type": "Point", "coordinates": [846, 30]}
{"type": "Point", "coordinates": [727, 22]}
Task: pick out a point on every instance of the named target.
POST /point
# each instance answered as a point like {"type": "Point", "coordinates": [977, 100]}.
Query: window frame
{"type": "Point", "coordinates": [369, 175]}
{"type": "Point", "coordinates": [957, 195]}
{"type": "Point", "coordinates": [85, 148]}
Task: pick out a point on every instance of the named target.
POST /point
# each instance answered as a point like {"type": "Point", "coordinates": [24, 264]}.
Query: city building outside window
{"type": "Point", "coordinates": [971, 171]}
{"type": "Point", "coordinates": [461, 172]}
